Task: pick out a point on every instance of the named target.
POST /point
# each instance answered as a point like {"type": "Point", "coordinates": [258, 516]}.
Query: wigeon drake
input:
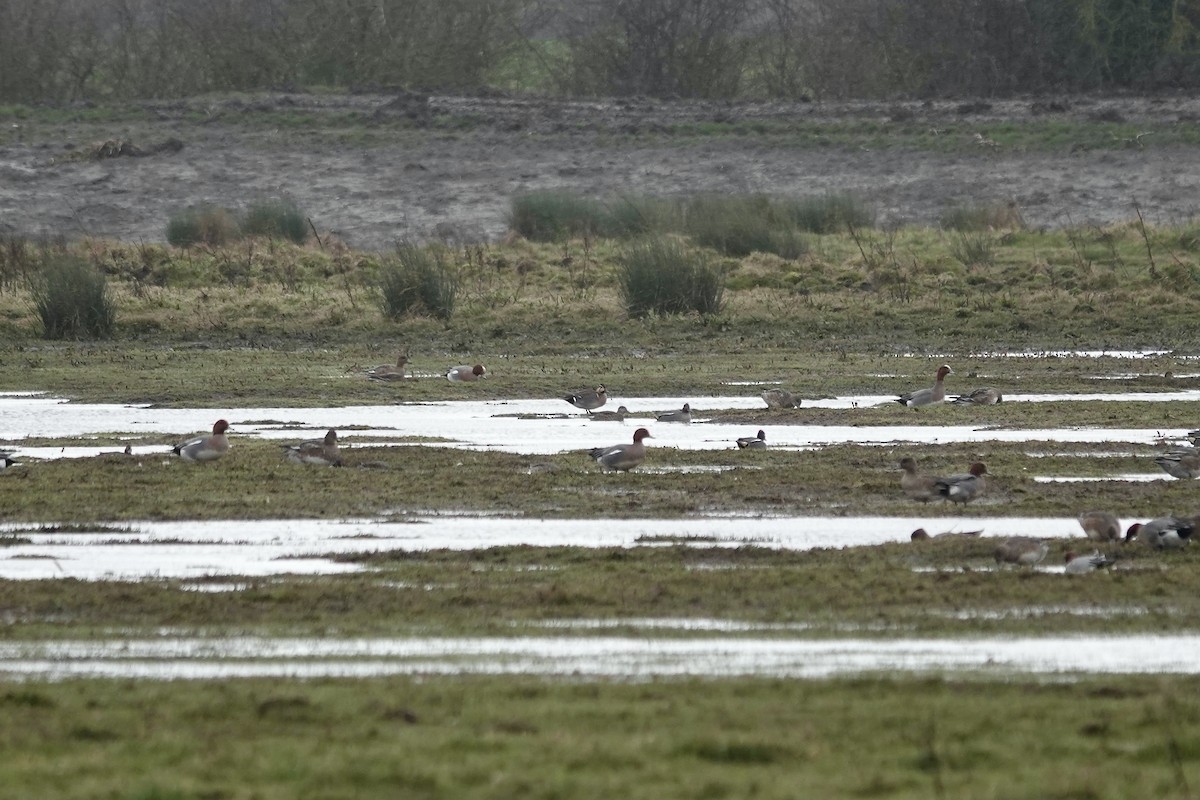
{"type": "Point", "coordinates": [780, 398]}
{"type": "Point", "coordinates": [610, 416]}
{"type": "Point", "coordinates": [1021, 550]}
{"type": "Point", "coordinates": [623, 457]}
{"type": "Point", "coordinates": [1082, 564]}
{"type": "Point", "coordinates": [962, 488]}
{"type": "Point", "coordinates": [915, 485]}
{"type": "Point", "coordinates": [930, 396]}
{"type": "Point", "coordinates": [682, 415]}
{"type": "Point", "coordinates": [390, 372]}
{"type": "Point", "coordinates": [319, 452]}
{"type": "Point", "coordinates": [1182, 464]}
{"type": "Point", "coordinates": [986, 396]}
{"type": "Point", "coordinates": [465, 374]}
{"type": "Point", "coordinates": [1100, 526]}
{"type": "Point", "coordinates": [205, 448]}
{"type": "Point", "coordinates": [1163, 533]}
{"type": "Point", "coordinates": [589, 399]}
{"type": "Point", "coordinates": [756, 442]}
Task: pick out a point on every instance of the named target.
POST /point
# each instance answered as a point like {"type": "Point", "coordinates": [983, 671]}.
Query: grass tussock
{"type": "Point", "coordinates": [660, 275]}
{"type": "Point", "coordinates": [214, 226]}
{"type": "Point", "coordinates": [73, 300]}
{"type": "Point", "coordinates": [275, 219]}
{"type": "Point", "coordinates": [732, 224]}
{"type": "Point", "coordinates": [985, 217]}
{"type": "Point", "coordinates": [211, 226]}
{"type": "Point", "coordinates": [418, 280]}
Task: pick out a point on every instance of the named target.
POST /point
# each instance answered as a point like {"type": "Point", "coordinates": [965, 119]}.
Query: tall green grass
{"type": "Point", "coordinates": [732, 224]}
{"type": "Point", "coordinates": [275, 219]}
{"type": "Point", "coordinates": [418, 280]}
{"type": "Point", "coordinates": [208, 225]}
{"type": "Point", "coordinates": [72, 299]}
{"type": "Point", "coordinates": [659, 274]}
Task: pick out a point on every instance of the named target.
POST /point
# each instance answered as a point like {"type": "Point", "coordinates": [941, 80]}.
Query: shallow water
{"type": "Point", "coordinates": [495, 425]}
{"type": "Point", "coordinates": [149, 550]}
{"type": "Point", "coordinates": [594, 656]}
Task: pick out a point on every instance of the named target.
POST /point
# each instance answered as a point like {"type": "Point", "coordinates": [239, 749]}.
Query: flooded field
{"type": "Point", "coordinates": [528, 426]}
{"type": "Point", "coordinates": [229, 556]}
{"type": "Point", "coordinates": [629, 658]}
{"type": "Point", "coordinates": [161, 550]}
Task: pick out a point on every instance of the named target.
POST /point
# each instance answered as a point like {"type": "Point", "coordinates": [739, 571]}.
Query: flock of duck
{"type": "Point", "coordinates": [1164, 533]}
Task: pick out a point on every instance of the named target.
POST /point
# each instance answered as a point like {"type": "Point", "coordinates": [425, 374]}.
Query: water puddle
{"type": "Point", "coordinates": [1136, 477]}
{"type": "Point", "coordinates": [630, 658]}
{"type": "Point", "coordinates": [518, 426]}
{"type": "Point", "coordinates": [255, 548]}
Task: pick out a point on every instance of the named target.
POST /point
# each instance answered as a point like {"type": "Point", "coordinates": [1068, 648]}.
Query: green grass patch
{"type": "Point", "coordinates": [509, 737]}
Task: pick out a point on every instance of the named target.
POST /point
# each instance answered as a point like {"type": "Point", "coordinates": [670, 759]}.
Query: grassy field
{"type": "Point", "coordinates": [277, 325]}
{"type": "Point", "coordinates": [499, 738]}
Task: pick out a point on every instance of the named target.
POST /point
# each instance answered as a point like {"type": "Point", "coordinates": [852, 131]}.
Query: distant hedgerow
{"type": "Point", "coordinates": [418, 280]}
{"type": "Point", "coordinates": [72, 298]}
{"type": "Point", "coordinates": [661, 275]}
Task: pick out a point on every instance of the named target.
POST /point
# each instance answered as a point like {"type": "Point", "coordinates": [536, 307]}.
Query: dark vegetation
{"type": "Point", "coordinates": [63, 50]}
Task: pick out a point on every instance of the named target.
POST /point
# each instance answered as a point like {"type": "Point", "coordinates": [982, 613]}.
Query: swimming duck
{"type": "Point", "coordinates": [1100, 526]}
{"type": "Point", "coordinates": [623, 457]}
{"type": "Point", "coordinates": [1163, 533]}
{"type": "Point", "coordinates": [1081, 564]}
{"type": "Point", "coordinates": [205, 448]}
{"type": "Point", "coordinates": [389, 372]}
{"type": "Point", "coordinates": [1021, 550]}
{"type": "Point", "coordinates": [682, 415]}
{"type": "Point", "coordinates": [755, 442]}
{"type": "Point", "coordinates": [610, 416]}
{"type": "Point", "coordinates": [465, 374]}
{"type": "Point", "coordinates": [780, 398]}
{"type": "Point", "coordinates": [588, 399]}
{"type": "Point", "coordinates": [1182, 464]}
{"type": "Point", "coordinates": [986, 396]}
{"type": "Point", "coordinates": [927, 397]}
{"type": "Point", "coordinates": [915, 485]}
{"type": "Point", "coordinates": [962, 488]}
{"type": "Point", "coordinates": [321, 452]}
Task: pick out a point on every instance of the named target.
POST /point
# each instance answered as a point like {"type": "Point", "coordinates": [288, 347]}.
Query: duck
{"type": "Point", "coordinates": [920, 534]}
{"type": "Point", "coordinates": [962, 488]}
{"type": "Point", "coordinates": [390, 372]}
{"type": "Point", "coordinates": [986, 396]}
{"type": "Point", "coordinates": [780, 398]}
{"type": "Point", "coordinates": [623, 457]}
{"type": "Point", "coordinates": [756, 442]}
{"type": "Point", "coordinates": [682, 415]}
{"type": "Point", "coordinates": [321, 452]}
{"type": "Point", "coordinates": [1082, 564]}
{"type": "Point", "coordinates": [930, 396]}
{"type": "Point", "coordinates": [1100, 526]}
{"type": "Point", "coordinates": [588, 399]}
{"type": "Point", "coordinates": [610, 416]}
{"type": "Point", "coordinates": [1022, 550]}
{"type": "Point", "coordinates": [915, 485]}
{"type": "Point", "coordinates": [6, 460]}
{"type": "Point", "coordinates": [1182, 464]}
{"type": "Point", "coordinates": [1163, 533]}
{"type": "Point", "coordinates": [465, 374]}
{"type": "Point", "coordinates": [205, 448]}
